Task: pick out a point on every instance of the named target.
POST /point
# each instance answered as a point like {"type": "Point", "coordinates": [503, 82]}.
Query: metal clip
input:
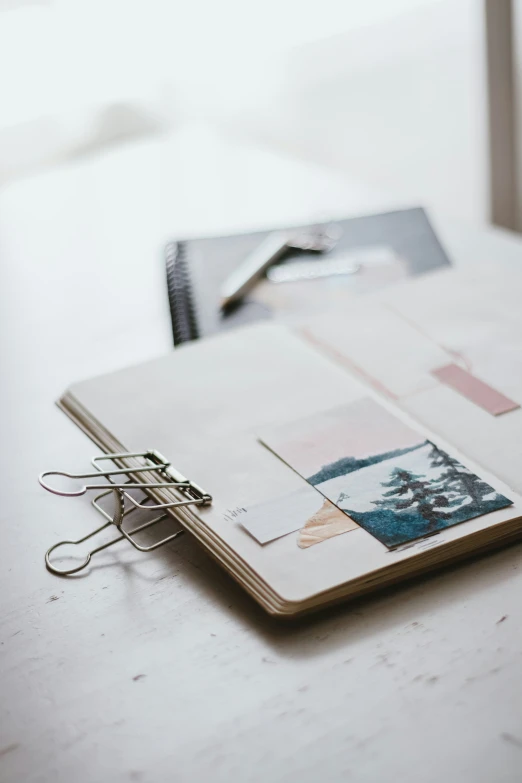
{"type": "Point", "coordinates": [156, 464]}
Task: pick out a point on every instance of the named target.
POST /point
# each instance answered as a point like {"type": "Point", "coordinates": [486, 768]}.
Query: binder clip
{"type": "Point", "coordinates": [147, 464]}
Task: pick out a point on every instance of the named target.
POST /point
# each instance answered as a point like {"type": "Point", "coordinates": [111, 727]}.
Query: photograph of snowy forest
{"type": "Point", "coordinates": [403, 495]}
{"type": "Point", "coordinates": [384, 475]}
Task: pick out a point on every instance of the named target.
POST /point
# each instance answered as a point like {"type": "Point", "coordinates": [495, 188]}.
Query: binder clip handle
{"type": "Point", "coordinates": [157, 467]}
{"type": "Point", "coordinates": [116, 520]}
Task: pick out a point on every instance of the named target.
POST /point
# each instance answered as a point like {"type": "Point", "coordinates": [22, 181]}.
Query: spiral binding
{"type": "Point", "coordinates": [179, 289]}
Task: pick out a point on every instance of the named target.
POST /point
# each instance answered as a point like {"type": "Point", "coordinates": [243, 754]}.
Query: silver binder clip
{"type": "Point", "coordinates": [157, 473]}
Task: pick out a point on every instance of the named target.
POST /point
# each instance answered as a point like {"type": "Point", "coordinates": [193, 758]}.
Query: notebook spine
{"type": "Point", "coordinates": [181, 299]}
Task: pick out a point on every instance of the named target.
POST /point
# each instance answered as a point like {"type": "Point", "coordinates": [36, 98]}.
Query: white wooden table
{"type": "Point", "coordinates": [157, 667]}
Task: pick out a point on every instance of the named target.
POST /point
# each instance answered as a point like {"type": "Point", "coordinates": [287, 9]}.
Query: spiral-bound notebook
{"type": "Point", "coordinates": [196, 268]}
{"type": "Point", "coordinates": [331, 478]}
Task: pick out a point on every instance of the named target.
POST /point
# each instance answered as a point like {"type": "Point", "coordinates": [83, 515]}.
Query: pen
{"type": "Point", "coordinates": [242, 279]}
{"type": "Point", "coordinates": [271, 249]}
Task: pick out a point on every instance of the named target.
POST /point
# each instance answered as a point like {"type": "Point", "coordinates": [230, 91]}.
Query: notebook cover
{"type": "Point", "coordinates": [408, 233]}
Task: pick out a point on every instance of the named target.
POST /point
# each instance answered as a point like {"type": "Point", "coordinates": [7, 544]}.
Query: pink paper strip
{"type": "Point", "coordinates": [474, 389]}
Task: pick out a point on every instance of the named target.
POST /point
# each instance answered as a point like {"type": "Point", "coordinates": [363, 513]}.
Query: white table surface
{"type": "Point", "coordinates": [158, 667]}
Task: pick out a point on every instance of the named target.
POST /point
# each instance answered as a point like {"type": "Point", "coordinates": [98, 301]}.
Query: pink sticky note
{"type": "Point", "coordinates": [475, 390]}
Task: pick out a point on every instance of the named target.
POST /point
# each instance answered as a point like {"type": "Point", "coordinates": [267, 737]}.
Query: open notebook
{"type": "Point", "coordinates": [325, 486]}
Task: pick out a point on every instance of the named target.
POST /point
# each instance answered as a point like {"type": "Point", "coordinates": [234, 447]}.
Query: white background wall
{"type": "Point", "coordinates": [387, 91]}
{"type": "Point", "coordinates": [400, 102]}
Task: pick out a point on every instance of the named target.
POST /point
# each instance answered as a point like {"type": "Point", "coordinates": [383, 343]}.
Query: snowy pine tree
{"type": "Point", "coordinates": [410, 490]}
{"type": "Point", "coordinates": [457, 478]}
